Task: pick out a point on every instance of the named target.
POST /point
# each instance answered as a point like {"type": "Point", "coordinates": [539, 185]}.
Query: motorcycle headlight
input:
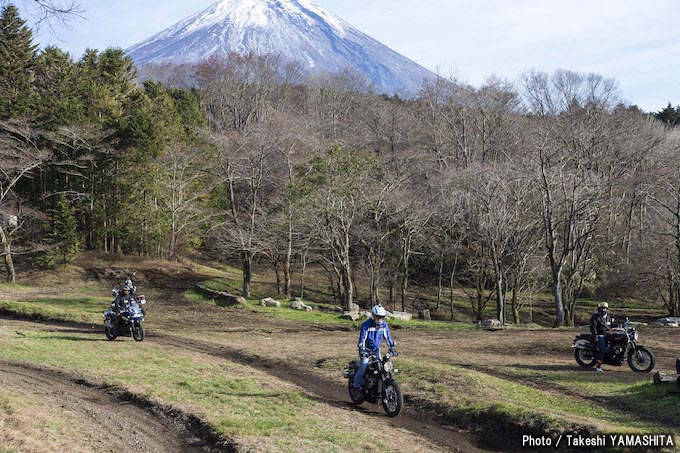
{"type": "Point", "coordinates": [388, 367]}
{"type": "Point", "coordinates": [635, 335]}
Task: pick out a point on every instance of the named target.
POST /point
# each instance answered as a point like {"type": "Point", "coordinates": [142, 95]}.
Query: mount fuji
{"type": "Point", "coordinates": [296, 30]}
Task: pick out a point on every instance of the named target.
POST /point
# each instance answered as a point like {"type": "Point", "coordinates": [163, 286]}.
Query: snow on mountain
{"type": "Point", "coordinates": [296, 30]}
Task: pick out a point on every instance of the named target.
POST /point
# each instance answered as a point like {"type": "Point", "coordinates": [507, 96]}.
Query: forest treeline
{"type": "Point", "coordinates": [548, 183]}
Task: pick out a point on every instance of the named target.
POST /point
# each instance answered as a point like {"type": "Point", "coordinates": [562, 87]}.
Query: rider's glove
{"type": "Point", "coordinates": [363, 353]}
{"type": "Point", "coordinates": [394, 352]}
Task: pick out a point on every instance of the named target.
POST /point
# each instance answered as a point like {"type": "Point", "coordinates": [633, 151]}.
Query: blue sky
{"type": "Point", "coordinates": [633, 41]}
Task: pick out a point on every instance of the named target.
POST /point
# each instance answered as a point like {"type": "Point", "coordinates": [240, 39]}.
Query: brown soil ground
{"type": "Point", "coordinates": [99, 418]}
{"type": "Point", "coordinates": [292, 352]}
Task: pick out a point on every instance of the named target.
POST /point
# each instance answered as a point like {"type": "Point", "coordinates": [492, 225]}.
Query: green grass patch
{"type": "Point", "coordinates": [226, 395]}
{"type": "Point", "coordinates": [644, 401]}
{"type": "Point", "coordinates": [322, 313]}
{"type": "Point", "coordinates": [471, 394]}
{"type": "Point", "coordinates": [85, 310]}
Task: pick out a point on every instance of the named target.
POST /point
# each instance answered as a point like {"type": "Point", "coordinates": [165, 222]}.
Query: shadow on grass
{"type": "Point", "coordinates": [69, 338]}
{"type": "Point", "coordinates": [638, 398]}
{"type": "Point", "coordinates": [81, 304]}
{"type": "Point", "coordinates": [654, 403]}
{"type": "Point", "coordinates": [575, 368]}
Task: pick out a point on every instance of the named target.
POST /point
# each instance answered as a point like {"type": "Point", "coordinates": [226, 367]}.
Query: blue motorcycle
{"type": "Point", "coordinates": [129, 324]}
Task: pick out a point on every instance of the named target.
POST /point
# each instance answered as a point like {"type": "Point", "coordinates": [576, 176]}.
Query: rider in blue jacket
{"type": "Point", "coordinates": [373, 331]}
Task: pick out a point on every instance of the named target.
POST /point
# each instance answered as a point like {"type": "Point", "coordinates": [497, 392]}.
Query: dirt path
{"type": "Point", "coordinates": [331, 393]}
{"type": "Point", "coordinates": [169, 292]}
{"type": "Point", "coordinates": [90, 417]}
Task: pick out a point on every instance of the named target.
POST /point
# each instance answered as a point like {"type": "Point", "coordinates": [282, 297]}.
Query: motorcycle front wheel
{"type": "Point", "coordinates": [138, 332]}
{"type": "Point", "coordinates": [393, 399]}
{"type": "Point", "coordinates": [110, 335]}
{"type": "Point", "coordinates": [584, 357]}
{"type": "Point", "coordinates": [641, 360]}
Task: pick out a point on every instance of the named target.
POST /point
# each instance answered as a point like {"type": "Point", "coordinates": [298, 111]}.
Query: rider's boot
{"type": "Point", "coordinates": [356, 393]}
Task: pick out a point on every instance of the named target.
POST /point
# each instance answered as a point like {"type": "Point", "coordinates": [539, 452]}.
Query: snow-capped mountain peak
{"type": "Point", "coordinates": [295, 29]}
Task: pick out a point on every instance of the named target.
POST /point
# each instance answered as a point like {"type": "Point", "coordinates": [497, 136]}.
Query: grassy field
{"type": "Point", "coordinates": [499, 384]}
{"type": "Point", "coordinates": [261, 411]}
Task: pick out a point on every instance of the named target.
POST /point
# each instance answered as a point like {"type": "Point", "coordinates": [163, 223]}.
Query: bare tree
{"type": "Point", "coordinates": [50, 12]}
{"type": "Point", "coordinates": [664, 192]}
{"type": "Point", "coordinates": [184, 182]}
{"type": "Point", "coordinates": [20, 156]}
{"type": "Point", "coordinates": [234, 94]}
{"type": "Point", "coordinates": [335, 186]}
{"type": "Point", "coordinates": [571, 113]}
{"type": "Point", "coordinates": [467, 125]}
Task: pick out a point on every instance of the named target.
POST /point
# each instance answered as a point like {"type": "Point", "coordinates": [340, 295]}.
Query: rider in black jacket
{"type": "Point", "coordinates": [600, 323]}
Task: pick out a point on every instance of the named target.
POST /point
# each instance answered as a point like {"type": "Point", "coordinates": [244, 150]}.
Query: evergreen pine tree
{"type": "Point", "coordinates": [63, 234]}
{"type": "Point", "coordinates": [669, 115]}
{"type": "Point", "coordinates": [56, 78]}
{"type": "Point", "coordinates": [17, 63]}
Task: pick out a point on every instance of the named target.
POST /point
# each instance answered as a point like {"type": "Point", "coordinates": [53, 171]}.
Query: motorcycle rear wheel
{"type": "Point", "coordinates": [138, 332]}
{"type": "Point", "coordinates": [350, 384]}
{"type": "Point", "coordinates": [393, 399]}
{"type": "Point", "coordinates": [110, 335]}
{"type": "Point", "coordinates": [641, 360]}
{"type": "Point", "coordinates": [582, 359]}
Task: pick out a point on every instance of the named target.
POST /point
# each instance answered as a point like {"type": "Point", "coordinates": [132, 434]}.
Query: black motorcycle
{"type": "Point", "coordinates": [378, 385]}
{"type": "Point", "coordinates": [130, 324]}
{"type": "Point", "coordinates": [621, 345]}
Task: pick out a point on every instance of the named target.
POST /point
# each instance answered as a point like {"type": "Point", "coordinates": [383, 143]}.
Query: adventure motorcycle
{"type": "Point", "coordinates": [130, 324]}
{"type": "Point", "coordinates": [378, 385]}
{"type": "Point", "coordinates": [621, 345]}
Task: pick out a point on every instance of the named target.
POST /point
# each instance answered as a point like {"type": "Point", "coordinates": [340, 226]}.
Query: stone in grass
{"type": "Point", "coordinates": [351, 315]}
{"type": "Point", "coordinates": [269, 302]}
{"type": "Point", "coordinates": [297, 304]}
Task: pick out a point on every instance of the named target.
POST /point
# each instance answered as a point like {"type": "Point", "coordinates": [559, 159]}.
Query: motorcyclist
{"type": "Point", "coordinates": [600, 324]}
{"type": "Point", "coordinates": [123, 295]}
{"type": "Point", "coordinates": [372, 333]}
{"type": "Point", "coordinates": [133, 288]}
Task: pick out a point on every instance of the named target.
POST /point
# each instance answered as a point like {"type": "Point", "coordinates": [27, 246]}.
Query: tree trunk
{"type": "Point", "coordinates": [302, 274]}
{"type": "Point", "coordinates": [514, 303]}
{"type": "Point", "coordinates": [500, 300]}
{"type": "Point", "coordinates": [393, 302]}
{"type": "Point", "coordinates": [7, 251]}
{"type": "Point", "coordinates": [247, 272]}
{"type": "Point", "coordinates": [451, 280]}
{"type": "Point", "coordinates": [556, 288]}
{"type": "Point", "coordinates": [173, 241]}
{"type": "Point", "coordinates": [288, 257]}
{"type": "Point", "coordinates": [498, 281]}
{"type": "Point", "coordinates": [347, 286]}
{"type": "Point", "coordinates": [405, 254]}
{"type": "Point", "coordinates": [440, 280]}
{"type": "Point", "coordinates": [277, 272]}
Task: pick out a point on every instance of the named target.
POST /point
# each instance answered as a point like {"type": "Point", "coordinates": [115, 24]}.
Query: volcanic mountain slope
{"type": "Point", "coordinates": [296, 30]}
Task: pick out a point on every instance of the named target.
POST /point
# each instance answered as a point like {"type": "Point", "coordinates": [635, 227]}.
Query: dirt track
{"type": "Point", "coordinates": [104, 418]}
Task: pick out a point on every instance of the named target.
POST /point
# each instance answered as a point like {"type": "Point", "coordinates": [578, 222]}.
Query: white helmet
{"type": "Point", "coordinates": [378, 310]}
